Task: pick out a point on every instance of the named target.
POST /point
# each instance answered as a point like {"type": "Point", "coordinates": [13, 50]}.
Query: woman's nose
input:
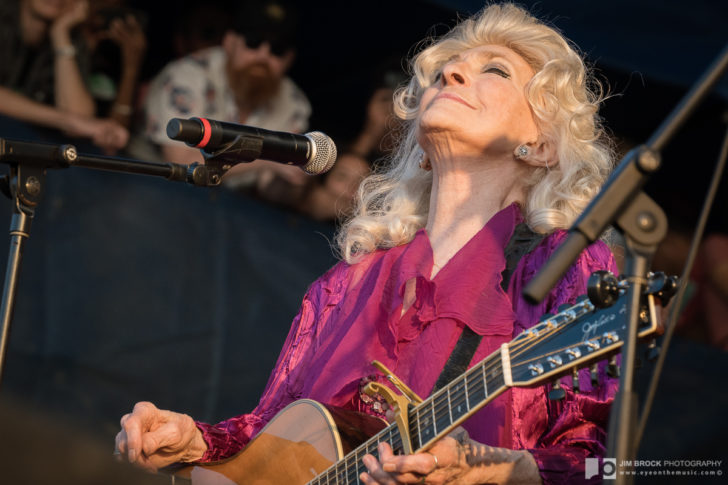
{"type": "Point", "coordinates": [455, 73]}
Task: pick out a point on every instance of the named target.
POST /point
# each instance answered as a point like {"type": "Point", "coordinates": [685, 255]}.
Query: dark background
{"type": "Point", "coordinates": [134, 288]}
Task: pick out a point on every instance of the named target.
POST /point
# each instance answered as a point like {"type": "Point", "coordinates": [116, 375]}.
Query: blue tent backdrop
{"type": "Point", "coordinates": [136, 288]}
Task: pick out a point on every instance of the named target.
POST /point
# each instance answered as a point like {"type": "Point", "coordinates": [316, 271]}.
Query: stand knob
{"type": "Point", "coordinates": [603, 289]}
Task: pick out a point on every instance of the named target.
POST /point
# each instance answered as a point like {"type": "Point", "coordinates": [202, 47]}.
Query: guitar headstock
{"type": "Point", "coordinates": [582, 334]}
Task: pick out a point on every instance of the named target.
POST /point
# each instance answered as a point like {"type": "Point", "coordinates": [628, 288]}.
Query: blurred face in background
{"type": "Point", "coordinates": [47, 10]}
{"type": "Point", "coordinates": [255, 68]}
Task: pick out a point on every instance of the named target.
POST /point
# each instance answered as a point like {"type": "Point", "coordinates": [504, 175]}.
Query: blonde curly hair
{"type": "Point", "coordinates": [393, 204]}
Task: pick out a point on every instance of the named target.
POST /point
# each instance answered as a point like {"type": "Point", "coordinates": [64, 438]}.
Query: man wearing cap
{"type": "Point", "coordinates": [241, 81]}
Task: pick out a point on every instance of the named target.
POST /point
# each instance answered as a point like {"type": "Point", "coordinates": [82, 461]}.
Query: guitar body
{"type": "Point", "coordinates": [299, 443]}
{"type": "Point", "coordinates": [309, 442]}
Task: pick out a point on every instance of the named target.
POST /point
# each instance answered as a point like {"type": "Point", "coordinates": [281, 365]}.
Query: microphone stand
{"type": "Point", "coordinates": [25, 185]}
{"type": "Point", "coordinates": [622, 203]}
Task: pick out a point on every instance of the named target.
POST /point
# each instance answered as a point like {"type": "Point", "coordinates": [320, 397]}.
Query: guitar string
{"type": "Point", "coordinates": [440, 402]}
{"type": "Point", "coordinates": [368, 447]}
{"type": "Point", "coordinates": [479, 385]}
{"type": "Point", "coordinates": [484, 367]}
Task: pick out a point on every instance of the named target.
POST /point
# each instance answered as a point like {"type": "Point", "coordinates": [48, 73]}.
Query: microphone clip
{"type": "Point", "coordinates": [243, 149]}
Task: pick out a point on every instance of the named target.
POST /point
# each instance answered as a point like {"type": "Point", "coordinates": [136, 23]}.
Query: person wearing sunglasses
{"type": "Point", "coordinates": [243, 80]}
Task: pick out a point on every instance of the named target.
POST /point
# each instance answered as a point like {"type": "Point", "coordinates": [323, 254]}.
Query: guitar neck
{"type": "Point", "coordinates": [430, 420]}
{"type": "Point", "coordinates": [578, 335]}
{"type": "Point", "coordinates": [453, 404]}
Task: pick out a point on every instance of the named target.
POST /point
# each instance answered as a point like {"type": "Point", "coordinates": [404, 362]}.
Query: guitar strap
{"type": "Point", "coordinates": [523, 241]}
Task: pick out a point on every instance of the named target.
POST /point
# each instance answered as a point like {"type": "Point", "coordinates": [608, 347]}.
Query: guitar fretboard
{"type": "Point", "coordinates": [441, 412]}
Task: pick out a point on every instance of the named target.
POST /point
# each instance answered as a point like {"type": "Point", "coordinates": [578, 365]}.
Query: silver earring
{"type": "Point", "coordinates": [425, 162]}
{"type": "Point", "coordinates": [521, 151]}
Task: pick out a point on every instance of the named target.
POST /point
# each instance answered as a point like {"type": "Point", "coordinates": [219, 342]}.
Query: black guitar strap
{"type": "Point", "coordinates": [523, 241]}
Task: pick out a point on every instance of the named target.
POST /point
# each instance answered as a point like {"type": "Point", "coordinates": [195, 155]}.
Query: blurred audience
{"type": "Point", "coordinates": [199, 26]}
{"type": "Point", "coordinates": [333, 197]}
{"type": "Point", "coordinates": [44, 65]}
{"type": "Point", "coordinates": [705, 306]}
{"type": "Point", "coordinates": [242, 80]}
{"type": "Point", "coordinates": [117, 41]}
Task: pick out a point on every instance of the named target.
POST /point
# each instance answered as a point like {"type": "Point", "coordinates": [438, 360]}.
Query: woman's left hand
{"type": "Point", "coordinates": [442, 463]}
{"type": "Point", "coordinates": [453, 459]}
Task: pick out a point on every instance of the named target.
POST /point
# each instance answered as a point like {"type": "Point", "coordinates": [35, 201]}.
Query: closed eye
{"type": "Point", "coordinates": [497, 70]}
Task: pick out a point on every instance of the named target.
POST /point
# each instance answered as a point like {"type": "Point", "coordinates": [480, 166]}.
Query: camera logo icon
{"type": "Point", "coordinates": [608, 468]}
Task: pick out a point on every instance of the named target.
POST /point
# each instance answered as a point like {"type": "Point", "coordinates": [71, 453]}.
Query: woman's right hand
{"type": "Point", "coordinates": [154, 438]}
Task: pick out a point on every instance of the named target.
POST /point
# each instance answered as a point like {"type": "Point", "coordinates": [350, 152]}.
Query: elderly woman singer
{"type": "Point", "coordinates": [501, 132]}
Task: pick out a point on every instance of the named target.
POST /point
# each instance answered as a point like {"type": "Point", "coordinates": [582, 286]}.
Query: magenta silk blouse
{"type": "Point", "coordinates": [353, 315]}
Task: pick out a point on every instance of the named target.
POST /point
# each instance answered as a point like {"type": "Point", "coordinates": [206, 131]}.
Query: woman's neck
{"type": "Point", "coordinates": [465, 196]}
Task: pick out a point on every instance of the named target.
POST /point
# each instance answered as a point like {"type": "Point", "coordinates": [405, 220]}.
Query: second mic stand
{"type": "Point", "coordinates": [643, 225]}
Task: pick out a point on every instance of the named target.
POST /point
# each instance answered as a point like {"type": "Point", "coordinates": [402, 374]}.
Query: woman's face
{"type": "Point", "coordinates": [477, 107]}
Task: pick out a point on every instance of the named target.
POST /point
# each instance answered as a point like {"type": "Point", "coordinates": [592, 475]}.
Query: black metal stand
{"type": "Point", "coordinates": [644, 225]}
{"type": "Point", "coordinates": [25, 184]}
{"type": "Point", "coordinates": [623, 204]}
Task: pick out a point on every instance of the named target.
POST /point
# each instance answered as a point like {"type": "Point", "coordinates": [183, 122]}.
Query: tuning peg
{"type": "Point", "coordinates": [556, 393]}
{"type": "Point", "coordinates": [653, 351]}
{"type": "Point", "coordinates": [545, 317]}
{"type": "Point", "coordinates": [603, 289]}
{"type": "Point", "coordinates": [594, 374]}
{"type": "Point", "coordinates": [613, 368]}
{"type": "Point", "coordinates": [564, 306]}
{"type": "Point", "coordinates": [662, 286]}
{"type": "Point", "coordinates": [575, 380]}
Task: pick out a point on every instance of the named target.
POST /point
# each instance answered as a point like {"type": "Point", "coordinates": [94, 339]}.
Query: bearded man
{"type": "Point", "coordinates": [242, 81]}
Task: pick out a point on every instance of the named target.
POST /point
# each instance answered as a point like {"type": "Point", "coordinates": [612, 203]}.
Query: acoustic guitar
{"type": "Point", "coordinates": [311, 443]}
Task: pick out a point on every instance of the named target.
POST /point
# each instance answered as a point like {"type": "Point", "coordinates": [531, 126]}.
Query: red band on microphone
{"type": "Point", "coordinates": [206, 133]}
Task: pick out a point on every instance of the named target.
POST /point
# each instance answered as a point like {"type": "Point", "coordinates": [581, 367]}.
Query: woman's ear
{"type": "Point", "coordinates": [541, 153]}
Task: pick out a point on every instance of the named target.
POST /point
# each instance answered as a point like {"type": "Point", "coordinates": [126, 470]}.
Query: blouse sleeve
{"type": "Point", "coordinates": [226, 438]}
{"type": "Point", "coordinates": [574, 428]}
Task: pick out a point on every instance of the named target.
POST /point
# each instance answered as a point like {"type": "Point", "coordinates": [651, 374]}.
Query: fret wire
{"type": "Point", "coordinates": [434, 419]}
{"type": "Point", "coordinates": [485, 380]}
{"type": "Point", "coordinates": [419, 428]}
{"type": "Point", "coordinates": [449, 405]}
{"type": "Point", "coordinates": [345, 472]}
{"type": "Point", "coordinates": [486, 365]}
{"type": "Point", "coordinates": [458, 395]}
{"type": "Point", "coordinates": [415, 434]}
{"type": "Point", "coordinates": [490, 362]}
{"type": "Point", "coordinates": [396, 440]}
{"type": "Point", "coordinates": [474, 387]}
{"type": "Point", "coordinates": [467, 400]}
{"type": "Point", "coordinates": [368, 447]}
{"type": "Point", "coordinates": [441, 399]}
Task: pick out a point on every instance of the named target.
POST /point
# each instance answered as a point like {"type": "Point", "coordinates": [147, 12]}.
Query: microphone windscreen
{"type": "Point", "coordinates": [323, 156]}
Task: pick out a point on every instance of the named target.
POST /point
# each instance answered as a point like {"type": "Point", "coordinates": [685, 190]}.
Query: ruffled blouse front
{"type": "Point", "coordinates": [358, 313]}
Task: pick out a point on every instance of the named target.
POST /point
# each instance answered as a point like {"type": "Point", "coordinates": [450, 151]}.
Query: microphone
{"type": "Point", "coordinates": [314, 153]}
